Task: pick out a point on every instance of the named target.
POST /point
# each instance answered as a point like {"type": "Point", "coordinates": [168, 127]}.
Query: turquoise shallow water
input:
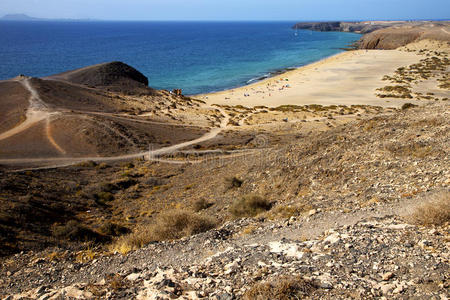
{"type": "Point", "coordinates": [195, 56]}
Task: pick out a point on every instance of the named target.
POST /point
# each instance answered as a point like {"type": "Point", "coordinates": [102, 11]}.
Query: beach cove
{"type": "Point", "coordinates": [349, 78]}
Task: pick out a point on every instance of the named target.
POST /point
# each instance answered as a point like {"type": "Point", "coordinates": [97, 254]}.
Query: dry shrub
{"type": "Point", "coordinates": [283, 289]}
{"type": "Point", "coordinates": [233, 182]}
{"type": "Point", "coordinates": [413, 149]}
{"type": "Point", "coordinates": [87, 164]}
{"type": "Point", "coordinates": [103, 197]}
{"type": "Point", "coordinates": [75, 231]}
{"type": "Point", "coordinates": [171, 225]}
{"type": "Point", "coordinates": [408, 105]}
{"type": "Point", "coordinates": [249, 206]}
{"type": "Point", "coordinates": [286, 212]}
{"type": "Point", "coordinates": [113, 229]}
{"type": "Point", "coordinates": [177, 224]}
{"type": "Point", "coordinates": [434, 212]}
{"type": "Point", "coordinates": [86, 256]}
{"type": "Point", "coordinates": [201, 204]}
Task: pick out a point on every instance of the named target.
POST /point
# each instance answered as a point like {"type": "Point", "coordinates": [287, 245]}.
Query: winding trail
{"type": "Point", "coordinates": [36, 112]}
{"type": "Point", "coordinates": [208, 136]}
{"type": "Point", "coordinates": [48, 131]}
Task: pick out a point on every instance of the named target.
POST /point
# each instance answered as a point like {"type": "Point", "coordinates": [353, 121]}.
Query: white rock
{"type": "Point", "coordinates": [398, 290]}
{"type": "Point", "coordinates": [399, 226]}
{"type": "Point", "coordinates": [290, 250]}
{"type": "Point", "coordinates": [386, 288]}
{"type": "Point", "coordinates": [74, 292]}
{"type": "Point", "coordinates": [133, 276]}
{"type": "Point", "coordinates": [424, 243]}
{"type": "Point", "coordinates": [332, 238]}
{"type": "Point", "coordinates": [261, 264]}
{"type": "Point", "coordinates": [312, 212]}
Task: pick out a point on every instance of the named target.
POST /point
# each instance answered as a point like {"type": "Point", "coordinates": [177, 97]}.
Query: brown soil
{"type": "Point", "coordinates": [13, 104]}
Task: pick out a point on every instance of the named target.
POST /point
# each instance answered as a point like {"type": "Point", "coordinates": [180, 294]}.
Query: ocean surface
{"type": "Point", "coordinates": [197, 57]}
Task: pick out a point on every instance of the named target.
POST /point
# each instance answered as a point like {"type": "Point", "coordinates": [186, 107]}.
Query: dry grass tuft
{"type": "Point", "coordinates": [434, 212]}
{"type": "Point", "coordinates": [287, 211]}
{"type": "Point", "coordinates": [201, 204]}
{"type": "Point", "coordinates": [249, 206]}
{"type": "Point", "coordinates": [75, 231]}
{"type": "Point", "coordinates": [233, 182]}
{"type": "Point", "coordinates": [171, 225]}
{"type": "Point", "coordinates": [283, 289]}
{"type": "Point", "coordinates": [408, 105]}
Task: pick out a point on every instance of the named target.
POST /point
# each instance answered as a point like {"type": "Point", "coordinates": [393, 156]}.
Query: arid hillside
{"type": "Point", "coordinates": [376, 167]}
{"type": "Point", "coordinates": [112, 190]}
{"type": "Point", "coordinates": [386, 35]}
{"type": "Point", "coordinates": [394, 37]}
{"type": "Point", "coordinates": [103, 110]}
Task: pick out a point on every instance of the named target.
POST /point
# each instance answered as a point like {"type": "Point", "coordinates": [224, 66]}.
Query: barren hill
{"type": "Point", "coordinates": [102, 110]}
{"type": "Point", "coordinates": [385, 35]}
{"type": "Point", "coordinates": [394, 37]}
{"type": "Point", "coordinates": [115, 76]}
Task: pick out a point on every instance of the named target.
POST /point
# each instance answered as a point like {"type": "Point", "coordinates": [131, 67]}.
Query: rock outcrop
{"type": "Point", "coordinates": [116, 76]}
{"type": "Point", "coordinates": [393, 38]}
{"type": "Point", "coordinates": [385, 35]}
{"type": "Point", "coordinates": [359, 27]}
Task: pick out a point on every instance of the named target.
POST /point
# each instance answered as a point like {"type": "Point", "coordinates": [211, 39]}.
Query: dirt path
{"type": "Point", "coordinates": [313, 226]}
{"type": "Point", "coordinates": [37, 111]}
{"type": "Point", "coordinates": [151, 155]}
{"type": "Point", "coordinates": [48, 131]}
{"type": "Point", "coordinates": [208, 136]}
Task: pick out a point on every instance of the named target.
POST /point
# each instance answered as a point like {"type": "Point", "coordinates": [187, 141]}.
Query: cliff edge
{"type": "Point", "coordinates": [386, 35]}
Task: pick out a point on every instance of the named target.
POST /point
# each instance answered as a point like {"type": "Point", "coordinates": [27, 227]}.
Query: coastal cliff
{"type": "Point", "coordinates": [395, 37]}
{"type": "Point", "coordinates": [383, 34]}
{"type": "Point", "coordinates": [357, 27]}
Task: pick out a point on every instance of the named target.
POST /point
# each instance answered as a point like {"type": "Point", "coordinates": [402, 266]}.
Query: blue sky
{"type": "Point", "coordinates": [231, 9]}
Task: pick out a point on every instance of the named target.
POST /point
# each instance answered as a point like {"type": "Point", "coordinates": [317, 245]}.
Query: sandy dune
{"type": "Point", "coordinates": [345, 79]}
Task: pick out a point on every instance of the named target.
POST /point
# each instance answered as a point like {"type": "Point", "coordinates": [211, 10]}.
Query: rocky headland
{"type": "Point", "coordinates": [384, 34]}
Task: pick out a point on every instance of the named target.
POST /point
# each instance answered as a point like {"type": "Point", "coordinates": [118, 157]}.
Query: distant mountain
{"type": "Point", "coordinates": [24, 17]}
{"type": "Point", "coordinates": [18, 17]}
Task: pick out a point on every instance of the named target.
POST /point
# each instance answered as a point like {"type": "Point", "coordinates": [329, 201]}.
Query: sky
{"type": "Point", "coordinates": [300, 10]}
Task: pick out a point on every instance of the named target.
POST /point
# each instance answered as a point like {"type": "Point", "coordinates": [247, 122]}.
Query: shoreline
{"type": "Point", "coordinates": [346, 78]}
{"type": "Point", "coordinates": [278, 73]}
{"type": "Point", "coordinates": [273, 74]}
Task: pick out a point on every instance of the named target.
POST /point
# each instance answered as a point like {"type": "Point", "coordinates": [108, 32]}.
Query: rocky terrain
{"type": "Point", "coordinates": [233, 202]}
{"type": "Point", "coordinates": [339, 225]}
{"type": "Point", "coordinates": [359, 27]}
{"type": "Point", "coordinates": [394, 37]}
{"type": "Point", "coordinates": [385, 35]}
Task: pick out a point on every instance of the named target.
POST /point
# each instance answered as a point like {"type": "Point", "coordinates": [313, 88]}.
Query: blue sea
{"type": "Point", "coordinates": [197, 57]}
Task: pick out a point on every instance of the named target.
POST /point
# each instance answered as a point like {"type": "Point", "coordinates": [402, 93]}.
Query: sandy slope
{"type": "Point", "coordinates": [36, 112]}
{"type": "Point", "coordinates": [345, 79]}
{"type": "Point", "coordinates": [66, 161]}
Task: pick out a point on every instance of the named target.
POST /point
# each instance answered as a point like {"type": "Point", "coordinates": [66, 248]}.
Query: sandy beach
{"type": "Point", "coordinates": [344, 79]}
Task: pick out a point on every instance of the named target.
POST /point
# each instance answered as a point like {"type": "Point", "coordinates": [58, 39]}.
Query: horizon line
{"type": "Point", "coordinates": [89, 19]}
